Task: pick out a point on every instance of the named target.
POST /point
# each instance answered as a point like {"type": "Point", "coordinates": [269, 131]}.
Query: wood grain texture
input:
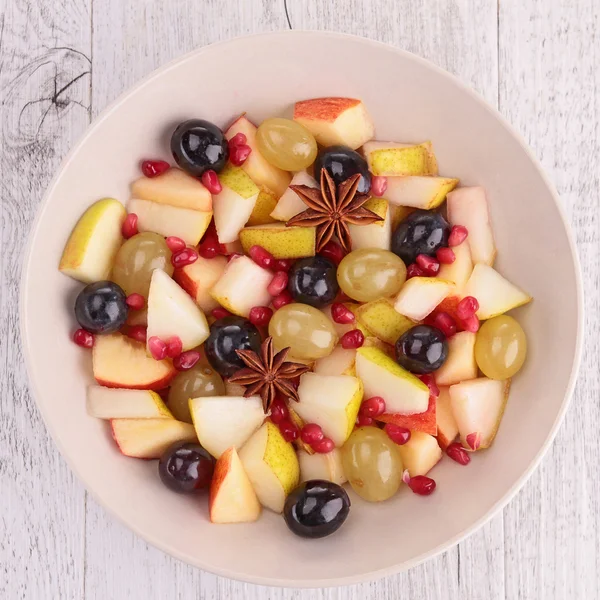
{"type": "Point", "coordinates": [62, 60]}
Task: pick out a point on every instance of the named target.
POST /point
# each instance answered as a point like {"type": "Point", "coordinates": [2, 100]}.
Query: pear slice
{"type": "Point", "coordinates": [495, 294]}
{"type": "Point", "coordinates": [460, 364]}
{"type": "Point", "coordinates": [420, 454]}
{"type": "Point", "coordinates": [447, 429]}
{"type": "Point", "coordinates": [419, 192]}
{"type": "Point", "coordinates": [403, 392]}
{"type": "Point", "coordinates": [91, 249]}
{"type": "Point", "coordinates": [265, 204]}
{"type": "Point", "coordinates": [112, 403]}
{"type": "Point", "coordinates": [383, 321]}
{"type": "Point", "coordinates": [420, 295]}
{"type": "Point", "coordinates": [322, 466]}
{"type": "Point", "coordinates": [375, 235]}
{"type": "Point", "coordinates": [331, 401]}
{"type": "Point", "coordinates": [339, 362]}
{"type": "Point", "coordinates": [393, 159]}
{"type": "Point", "coordinates": [478, 406]}
{"type": "Point", "coordinates": [271, 465]}
{"type": "Point", "coordinates": [279, 240]}
{"type": "Point", "coordinates": [290, 204]}
{"type": "Point", "coordinates": [460, 270]}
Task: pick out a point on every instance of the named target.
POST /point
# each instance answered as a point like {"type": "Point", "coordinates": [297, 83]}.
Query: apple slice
{"type": "Point", "coordinates": [420, 454]}
{"type": "Point", "coordinates": [322, 466]}
{"type": "Point", "coordinates": [460, 270]}
{"type": "Point", "coordinates": [171, 312]}
{"type": "Point", "coordinates": [189, 225]}
{"type": "Point", "coordinates": [290, 204]}
{"type": "Point", "coordinates": [111, 403]}
{"type": "Point", "coordinates": [198, 278]}
{"type": "Point", "coordinates": [420, 295]}
{"type": "Point", "coordinates": [242, 286]}
{"type": "Point", "coordinates": [175, 188]}
{"type": "Point", "coordinates": [382, 376]}
{"type": "Point", "coordinates": [232, 498]}
{"type": "Point", "coordinates": [149, 438]}
{"type": "Point", "coordinates": [460, 364]}
{"type": "Point", "coordinates": [260, 170]}
{"type": "Point", "coordinates": [120, 362]}
{"type": "Point", "coordinates": [93, 244]}
{"type": "Point", "coordinates": [468, 206]}
{"type": "Point", "coordinates": [383, 321]}
{"type": "Point", "coordinates": [265, 204]}
{"type": "Point", "coordinates": [392, 159]}
{"type": "Point", "coordinates": [279, 240]}
{"type": "Point", "coordinates": [339, 362]}
{"type": "Point", "coordinates": [375, 235]}
{"type": "Point", "coordinates": [271, 465]}
{"type": "Point", "coordinates": [425, 421]}
{"type": "Point", "coordinates": [225, 421]}
{"type": "Point", "coordinates": [331, 401]}
{"type": "Point", "coordinates": [478, 406]}
{"type": "Point", "coordinates": [419, 192]}
{"type": "Point", "coordinates": [447, 429]}
{"type": "Point", "coordinates": [336, 121]}
{"type": "Point", "coordinates": [235, 203]}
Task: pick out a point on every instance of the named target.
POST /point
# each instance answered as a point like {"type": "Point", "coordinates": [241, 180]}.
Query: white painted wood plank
{"type": "Point", "coordinates": [44, 88]}
{"type": "Point", "coordinates": [549, 89]}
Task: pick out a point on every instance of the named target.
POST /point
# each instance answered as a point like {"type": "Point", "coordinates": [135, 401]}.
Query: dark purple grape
{"type": "Point", "coordinates": [422, 349]}
{"type": "Point", "coordinates": [342, 162]}
{"type": "Point", "coordinates": [313, 281]}
{"type": "Point", "coordinates": [186, 467]}
{"type": "Point", "coordinates": [422, 232]}
{"type": "Point", "coordinates": [198, 146]}
{"type": "Point", "coordinates": [101, 307]}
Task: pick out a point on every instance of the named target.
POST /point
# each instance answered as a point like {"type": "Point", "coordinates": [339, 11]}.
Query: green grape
{"type": "Point", "coordinates": [286, 144]}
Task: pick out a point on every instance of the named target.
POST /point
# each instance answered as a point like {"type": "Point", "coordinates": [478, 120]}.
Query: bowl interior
{"type": "Point", "coordinates": [264, 75]}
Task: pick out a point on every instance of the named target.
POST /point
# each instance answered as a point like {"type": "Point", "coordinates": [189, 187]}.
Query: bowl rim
{"type": "Point", "coordinates": [329, 582]}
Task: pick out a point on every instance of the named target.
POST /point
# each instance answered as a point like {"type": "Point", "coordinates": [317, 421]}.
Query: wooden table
{"type": "Point", "coordinates": [63, 61]}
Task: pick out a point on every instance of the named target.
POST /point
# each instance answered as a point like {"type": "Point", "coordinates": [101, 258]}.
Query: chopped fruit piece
{"type": "Point", "coordinates": [149, 438]}
{"type": "Point", "coordinates": [425, 421]}
{"type": "Point", "coordinates": [382, 376]}
{"type": "Point", "coordinates": [91, 249]}
{"type": "Point", "coordinates": [225, 421]}
{"type": "Point", "coordinates": [272, 466]}
{"type": "Point", "coordinates": [279, 240]}
{"type": "Point", "coordinates": [478, 406]}
{"type": "Point", "coordinates": [339, 362]}
{"type": "Point", "coordinates": [232, 498]}
{"type": "Point", "coordinates": [198, 278]}
{"type": "Point", "coordinates": [420, 454]}
{"type": "Point", "coordinates": [468, 207]}
{"type": "Point", "coordinates": [419, 192]}
{"type": "Point", "coordinates": [375, 235]}
{"type": "Point", "coordinates": [459, 271]}
{"type": "Point", "coordinates": [399, 435]}
{"type": "Point", "coordinates": [326, 466]}
{"type": "Point", "coordinates": [290, 204]}
{"type": "Point", "coordinates": [420, 295]}
{"type": "Point", "coordinates": [390, 158]}
{"type": "Point", "coordinates": [265, 204]}
{"type": "Point", "coordinates": [83, 338]}
{"type": "Point", "coordinates": [460, 364]}
{"type": "Point", "coordinates": [458, 454]}
{"type": "Point", "coordinates": [330, 401]}
{"type": "Point", "coordinates": [120, 362]}
{"type": "Point", "coordinates": [111, 403]}
{"type": "Point", "coordinates": [447, 429]}
{"type": "Point", "coordinates": [383, 321]}
{"type": "Point", "coordinates": [242, 286]}
{"type": "Point", "coordinates": [495, 294]}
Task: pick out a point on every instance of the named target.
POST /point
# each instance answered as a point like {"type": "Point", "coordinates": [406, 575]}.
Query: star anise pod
{"type": "Point", "coordinates": [268, 373]}
{"type": "Point", "coordinates": [332, 209]}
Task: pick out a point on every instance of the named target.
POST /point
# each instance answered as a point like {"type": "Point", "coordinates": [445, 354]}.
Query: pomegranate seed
{"type": "Point", "coordinates": [137, 333]}
{"type": "Point", "coordinates": [398, 435]}
{"type": "Point", "coordinates": [429, 381]}
{"type": "Point", "coordinates": [260, 315]}
{"type": "Point", "coordinates": [364, 421]}
{"type": "Point", "coordinates": [341, 314]}
{"type": "Point", "coordinates": [353, 339]}
{"type": "Point", "coordinates": [184, 258]}
{"type": "Point", "coordinates": [279, 411]}
{"type": "Point", "coordinates": [458, 234]}
{"type": "Point", "coordinates": [135, 301]}
{"type": "Point", "coordinates": [378, 185]}
{"type": "Point", "coordinates": [428, 264]}
{"type": "Point", "coordinates": [158, 349]}
{"type": "Point", "coordinates": [281, 300]}
{"type": "Point", "coordinates": [239, 154]}
{"type": "Point", "coordinates": [422, 485]}
{"type": "Point", "coordinates": [263, 258]}
{"type": "Point", "coordinates": [467, 307]}
{"type": "Point", "coordinates": [186, 360]}
{"type": "Point", "coordinates": [311, 433]}
{"type": "Point", "coordinates": [239, 139]}
{"type": "Point", "coordinates": [129, 227]}
{"type": "Point", "coordinates": [283, 264]}
{"type": "Point", "coordinates": [324, 446]}
{"type": "Point", "coordinates": [209, 246]}
{"type": "Point", "coordinates": [373, 407]}
{"type": "Point", "coordinates": [174, 346]}
{"type": "Point", "coordinates": [445, 256]}
{"type": "Point", "coordinates": [456, 452]}
{"type": "Point", "coordinates": [83, 338]}
{"type": "Point", "coordinates": [175, 244]}
{"type": "Point", "coordinates": [278, 283]}
{"type": "Point", "coordinates": [474, 440]}
{"type": "Point", "coordinates": [153, 168]}
{"type": "Point", "coordinates": [210, 180]}
{"type": "Point", "coordinates": [445, 323]}
{"type": "Point", "coordinates": [220, 313]}
{"type": "Point", "coordinates": [414, 271]}
{"type": "Point", "coordinates": [470, 324]}
{"type": "Point", "coordinates": [288, 430]}
{"type": "Point", "coordinates": [332, 251]}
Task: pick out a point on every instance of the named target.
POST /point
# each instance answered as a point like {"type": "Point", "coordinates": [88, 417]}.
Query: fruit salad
{"type": "Point", "coordinates": [286, 309]}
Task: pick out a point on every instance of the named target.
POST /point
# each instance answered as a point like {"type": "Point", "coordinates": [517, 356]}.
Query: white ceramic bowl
{"type": "Point", "coordinates": [413, 101]}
